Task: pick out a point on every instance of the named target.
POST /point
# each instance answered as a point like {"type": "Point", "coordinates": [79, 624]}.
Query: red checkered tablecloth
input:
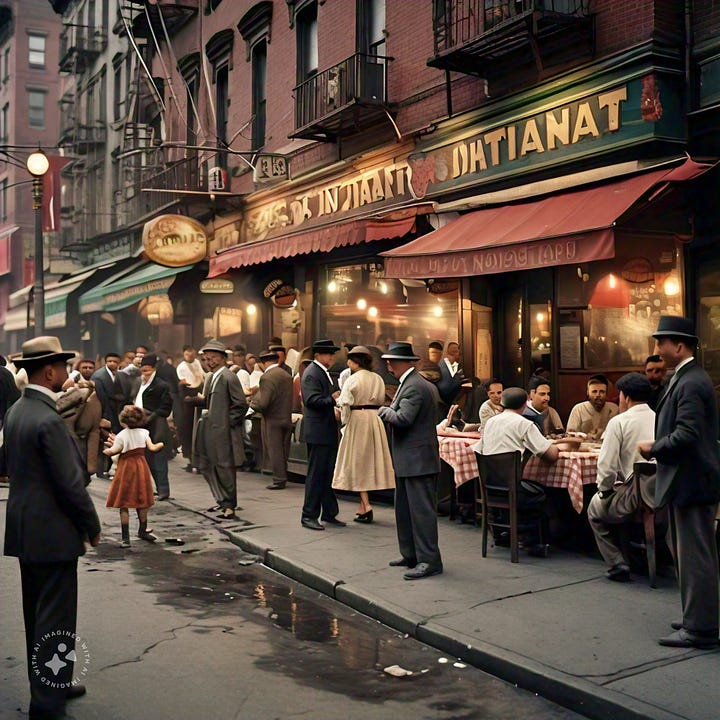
{"type": "Point", "coordinates": [457, 452]}
{"type": "Point", "coordinates": [572, 470]}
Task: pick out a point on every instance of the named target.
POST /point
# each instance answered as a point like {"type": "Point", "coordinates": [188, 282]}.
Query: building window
{"type": "Point", "coordinates": [36, 51]}
{"type": "Point", "coordinates": [3, 200]}
{"type": "Point", "coordinates": [4, 128]}
{"type": "Point", "coordinates": [189, 67]}
{"type": "Point", "coordinates": [371, 27]}
{"type": "Point", "coordinates": [118, 95]}
{"type": "Point", "coordinates": [307, 42]}
{"type": "Point", "coordinates": [259, 84]}
{"type": "Point", "coordinates": [36, 108]}
{"type": "Point", "coordinates": [6, 65]}
{"type": "Point", "coordinates": [219, 53]}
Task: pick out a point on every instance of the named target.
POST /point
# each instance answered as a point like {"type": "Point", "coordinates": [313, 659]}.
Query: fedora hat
{"type": "Point", "coordinates": [149, 360]}
{"type": "Point", "coordinates": [359, 350]}
{"type": "Point", "coordinates": [675, 326]}
{"type": "Point", "coordinates": [215, 346]}
{"type": "Point", "coordinates": [400, 351]}
{"type": "Point", "coordinates": [324, 346]}
{"type": "Point", "coordinates": [42, 350]}
{"type": "Point", "coordinates": [268, 355]}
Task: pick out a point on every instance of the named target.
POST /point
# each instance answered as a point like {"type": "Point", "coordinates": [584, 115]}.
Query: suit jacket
{"type": "Point", "coordinates": [9, 392]}
{"type": "Point", "coordinates": [157, 402]}
{"type": "Point", "coordinates": [412, 417]}
{"type": "Point", "coordinates": [49, 511]}
{"type": "Point", "coordinates": [686, 445]}
{"type": "Point", "coordinates": [449, 385]}
{"type": "Point", "coordinates": [274, 397]}
{"type": "Point", "coordinates": [319, 424]}
{"type": "Point", "coordinates": [221, 432]}
{"type": "Point", "coordinates": [111, 396]}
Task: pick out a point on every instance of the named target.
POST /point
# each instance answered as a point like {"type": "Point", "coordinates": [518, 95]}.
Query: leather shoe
{"type": "Point", "coordinates": [685, 639]}
{"type": "Point", "coordinates": [311, 524]}
{"type": "Point", "coordinates": [75, 691]}
{"type": "Point", "coordinates": [423, 570]}
{"type": "Point", "coordinates": [403, 562]}
{"type": "Point", "coordinates": [227, 514]}
{"type": "Point", "coordinates": [163, 497]}
{"type": "Point", "coordinates": [619, 573]}
{"type": "Point", "coordinates": [335, 522]}
{"type": "Point", "coordinates": [276, 486]}
{"type": "Point", "coordinates": [676, 625]}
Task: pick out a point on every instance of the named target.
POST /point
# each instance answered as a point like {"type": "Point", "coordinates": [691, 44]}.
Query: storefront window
{"type": "Point", "coordinates": [708, 319]}
{"type": "Point", "coordinates": [625, 300]}
{"type": "Point", "coordinates": [359, 305]}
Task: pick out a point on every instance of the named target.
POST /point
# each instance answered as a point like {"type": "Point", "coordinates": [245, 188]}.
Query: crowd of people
{"type": "Point", "coordinates": [370, 421]}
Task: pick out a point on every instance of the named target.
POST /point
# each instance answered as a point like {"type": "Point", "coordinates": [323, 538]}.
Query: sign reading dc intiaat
{"type": "Point", "coordinates": [174, 240]}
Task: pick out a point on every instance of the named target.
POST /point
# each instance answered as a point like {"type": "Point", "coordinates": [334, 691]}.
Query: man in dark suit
{"type": "Point", "coordinates": [274, 400]}
{"type": "Point", "coordinates": [416, 457]}
{"type": "Point", "coordinates": [111, 393]}
{"type": "Point", "coordinates": [320, 426]}
{"type": "Point", "coordinates": [688, 481]}
{"type": "Point", "coordinates": [451, 376]}
{"type": "Point", "coordinates": [50, 517]}
{"type": "Point", "coordinates": [153, 395]}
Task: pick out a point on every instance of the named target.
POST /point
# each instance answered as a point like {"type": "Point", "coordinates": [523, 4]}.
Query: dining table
{"type": "Point", "coordinates": [573, 469]}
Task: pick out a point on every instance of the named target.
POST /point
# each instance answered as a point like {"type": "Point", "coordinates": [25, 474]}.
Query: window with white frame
{"type": "Point", "coordinates": [36, 50]}
{"type": "Point", "coordinates": [36, 108]}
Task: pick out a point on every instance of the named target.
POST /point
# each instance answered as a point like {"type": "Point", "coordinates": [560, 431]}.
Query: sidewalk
{"type": "Point", "coordinates": [555, 626]}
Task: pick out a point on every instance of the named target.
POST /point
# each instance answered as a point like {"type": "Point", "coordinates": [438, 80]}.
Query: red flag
{"type": "Point", "coordinates": [51, 193]}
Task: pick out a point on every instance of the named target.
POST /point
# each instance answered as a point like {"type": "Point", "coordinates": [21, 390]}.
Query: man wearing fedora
{"type": "Point", "coordinates": [320, 426]}
{"type": "Point", "coordinates": [219, 437]}
{"type": "Point", "coordinates": [50, 518]}
{"type": "Point", "coordinates": [416, 458]}
{"type": "Point", "coordinates": [274, 400]}
{"type": "Point", "coordinates": [688, 481]}
{"type": "Point", "coordinates": [152, 394]}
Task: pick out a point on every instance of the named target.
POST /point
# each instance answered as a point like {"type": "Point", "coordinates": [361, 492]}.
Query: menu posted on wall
{"type": "Point", "coordinates": [570, 348]}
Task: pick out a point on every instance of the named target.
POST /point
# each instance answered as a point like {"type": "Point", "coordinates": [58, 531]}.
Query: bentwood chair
{"type": "Point", "coordinates": [500, 476]}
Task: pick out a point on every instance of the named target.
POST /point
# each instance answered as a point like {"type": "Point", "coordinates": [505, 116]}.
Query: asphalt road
{"type": "Point", "coordinates": [199, 630]}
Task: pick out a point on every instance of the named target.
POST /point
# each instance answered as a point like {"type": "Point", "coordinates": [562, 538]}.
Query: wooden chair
{"type": "Point", "coordinates": [499, 479]}
{"type": "Point", "coordinates": [644, 474]}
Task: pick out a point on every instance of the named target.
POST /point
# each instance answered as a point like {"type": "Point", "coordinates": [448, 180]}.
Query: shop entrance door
{"type": "Point", "coordinates": [525, 301]}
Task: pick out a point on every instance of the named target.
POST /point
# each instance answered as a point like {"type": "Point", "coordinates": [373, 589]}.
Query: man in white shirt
{"type": "Point", "coordinates": [592, 416]}
{"type": "Point", "coordinates": [615, 502]}
{"type": "Point", "coordinates": [191, 377]}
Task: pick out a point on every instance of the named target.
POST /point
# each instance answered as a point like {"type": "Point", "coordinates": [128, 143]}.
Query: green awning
{"type": "Point", "coordinates": [130, 286]}
{"type": "Point", "coordinates": [56, 297]}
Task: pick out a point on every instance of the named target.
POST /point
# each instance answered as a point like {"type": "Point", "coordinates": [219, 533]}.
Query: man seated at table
{"type": "Point", "coordinates": [491, 407]}
{"type": "Point", "coordinates": [510, 431]}
{"type": "Point", "coordinates": [655, 372]}
{"type": "Point", "coordinates": [538, 402]}
{"type": "Point", "coordinates": [616, 502]}
{"type": "Point", "coordinates": [592, 416]}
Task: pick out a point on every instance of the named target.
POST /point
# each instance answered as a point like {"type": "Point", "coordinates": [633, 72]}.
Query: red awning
{"type": "Point", "coordinates": [322, 239]}
{"type": "Point", "coordinates": [561, 229]}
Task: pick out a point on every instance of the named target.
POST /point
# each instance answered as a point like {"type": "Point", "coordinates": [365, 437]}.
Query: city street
{"type": "Point", "coordinates": [199, 630]}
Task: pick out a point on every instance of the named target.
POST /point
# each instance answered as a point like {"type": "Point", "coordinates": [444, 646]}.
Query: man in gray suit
{"type": "Point", "coordinates": [274, 400]}
{"type": "Point", "coordinates": [688, 481]}
{"type": "Point", "coordinates": [219, 437]}
{"type": "Point", "coordinates": [416, 457]}
{"type": "Point", "coordinates": [50, 517]}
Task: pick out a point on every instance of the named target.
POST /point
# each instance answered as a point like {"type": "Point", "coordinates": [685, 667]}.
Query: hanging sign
{"type": "Point", "coordinates": [174, 240]}
{"type": "Point", "coordinates": [217, 286]}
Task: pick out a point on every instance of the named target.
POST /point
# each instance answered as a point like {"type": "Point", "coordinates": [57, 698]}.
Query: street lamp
{"type": "Point", "coordinates": [38, 165]}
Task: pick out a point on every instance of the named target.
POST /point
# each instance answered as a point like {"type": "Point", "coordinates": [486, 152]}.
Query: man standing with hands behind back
{"type": "Point", "coordinates": [320, 427]}
{"type": "Point", "coordinates": [416, 458]}
{"type": "Point", "coordinates": [50, 517]}
{"type": "Point", "coordinates": [688, 481]}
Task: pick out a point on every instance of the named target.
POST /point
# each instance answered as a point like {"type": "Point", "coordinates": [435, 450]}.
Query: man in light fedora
{"type": "Point", "coordinates": [219, 436]}
{"type": "Point", "coordinates": [416, 458]}
{"type": "Point", "coordinates": [49, 519]}
{"type": "Point", "coordinates": [320, 427]}
{"type": "Point", "coordinates": [688, 481]}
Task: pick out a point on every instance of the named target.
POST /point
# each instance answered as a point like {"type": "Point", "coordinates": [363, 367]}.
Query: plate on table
{"type": "Point", "coordinates": [569, 443]}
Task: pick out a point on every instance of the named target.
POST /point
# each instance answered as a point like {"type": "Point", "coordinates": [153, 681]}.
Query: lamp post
{"type": "Point", "coordinates": [37, 165]}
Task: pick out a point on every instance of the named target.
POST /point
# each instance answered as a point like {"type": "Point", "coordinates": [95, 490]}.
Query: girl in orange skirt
{"type": "Point", "coordinates": [132, 485]}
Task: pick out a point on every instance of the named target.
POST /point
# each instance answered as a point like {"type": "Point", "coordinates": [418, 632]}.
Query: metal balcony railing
{"type": "Point", "coordinates": [458, 22]}
{"type": "Point", "coordinates": [78, 44]}
{"type": "Point", "coordinates": [358, 81]}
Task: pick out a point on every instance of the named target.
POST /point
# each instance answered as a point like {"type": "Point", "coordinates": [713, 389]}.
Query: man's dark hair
{"type": "Point", "coordinates": [435, 345]}
{"type": "Point", "coordinates": [112, 355]}
{"type": "Point", "coordinates": [492, 381]}
{"type": "Point", "coordinates": [239, 349]}
{"type": "Point", "coordinates": [635, 385]}
{"type": "Point", "coordinates": [187, 347]}
{"type": "Point", "coordinates": [598, 380]}
{"type": "Point", "coordinates": [536, 381]}
{"type": "Point", "coordinates": [689, 343]}
{"type": "Point", "coordinates": [653, 358]}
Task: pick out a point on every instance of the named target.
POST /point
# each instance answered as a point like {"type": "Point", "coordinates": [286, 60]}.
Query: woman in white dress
{"type": "Point", "coordinates": [363, 461]}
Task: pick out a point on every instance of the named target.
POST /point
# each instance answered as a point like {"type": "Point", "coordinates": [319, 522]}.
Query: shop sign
{"type": "Point", "coordinates": [217, 286]}
{"type": "Point", "coordinates": [502, 144]}
{"type": "Point", "coordinates": [280, 293]}
{"type": "Point", "coordinates": [217, 179]}
{"type": "Point", "coordinates": [174, 240]}
{"type": "Point", "coordinates": [270, 168]}
{"type": "Point", "coordinates": [153, 287]}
